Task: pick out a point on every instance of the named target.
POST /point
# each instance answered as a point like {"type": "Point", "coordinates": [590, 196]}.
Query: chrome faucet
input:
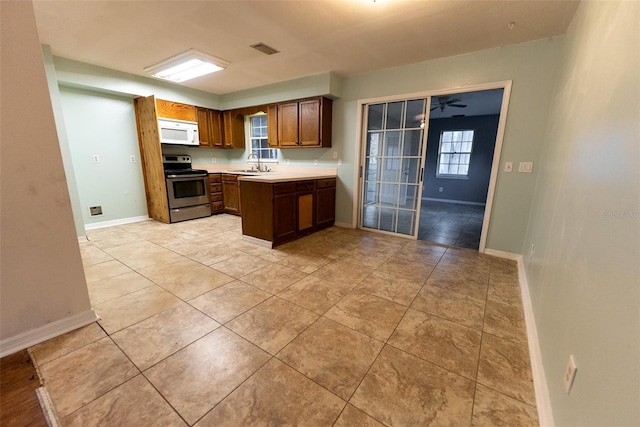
{"type": "Point", "coordinates": [254, 155]}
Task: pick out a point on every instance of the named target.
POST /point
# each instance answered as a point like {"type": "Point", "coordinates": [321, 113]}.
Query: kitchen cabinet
{"type": "Point", "coordinates": [272, 125]}
{"type": "Point", "coordinates": [325, 202]}
{"type": "Point", "coordinates": [305, 198]}
{"type": "Point", "coordinates": [209, 127]}
{"type": "Point", "coordinates": [233, 136]}
{"type": "Point", "coordinates": [231, 194]}
{"type": "Point", "coordinates": [284, 211]}
{"type": "Point", "coordinates": [304, 123]}
{"type": "Point", "coordinates": [147, 113]}
{"type": "Point", "coordinates": [175, 110]}
{"type": "Point", "coordinates": [217, 203]}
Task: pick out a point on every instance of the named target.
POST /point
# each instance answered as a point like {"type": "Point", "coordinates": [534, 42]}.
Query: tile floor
{"type": "Point", "coordinates": [343, 328]}
{"type": "Point", "coordinates": [451, 224]}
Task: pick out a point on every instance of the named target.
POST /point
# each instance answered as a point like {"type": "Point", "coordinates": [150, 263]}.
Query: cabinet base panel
{"type": "Point", "coordinates": [256, 241]}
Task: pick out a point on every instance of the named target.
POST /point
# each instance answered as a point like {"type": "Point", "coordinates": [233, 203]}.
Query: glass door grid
{"type": "Point", "coordinates": [394, 157]}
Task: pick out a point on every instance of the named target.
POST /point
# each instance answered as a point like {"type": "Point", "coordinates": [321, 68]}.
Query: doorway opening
{"type": "Point", "coordinates": [461, 142]}
{"type": "Point", "coordinates": [411, 145]}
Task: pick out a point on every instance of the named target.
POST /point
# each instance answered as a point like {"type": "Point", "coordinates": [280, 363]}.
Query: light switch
{"type": "Point", "coordinates": [525, 167]}
{"type": "Point", "coordinates": [508, 167]}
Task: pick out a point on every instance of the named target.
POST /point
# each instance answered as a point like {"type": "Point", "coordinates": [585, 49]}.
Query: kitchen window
{"type": "Point", "coordinates": [259, 143]}
{"type": "Point", "coordinates": [454, 153]}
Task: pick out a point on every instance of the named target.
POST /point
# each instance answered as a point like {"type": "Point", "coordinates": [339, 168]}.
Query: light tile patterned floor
{"type": "Point", "coordinates": [343, 328]}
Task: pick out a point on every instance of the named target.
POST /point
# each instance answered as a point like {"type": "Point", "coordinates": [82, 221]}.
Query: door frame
{"type": "Point", "coordinates": [505, 85]}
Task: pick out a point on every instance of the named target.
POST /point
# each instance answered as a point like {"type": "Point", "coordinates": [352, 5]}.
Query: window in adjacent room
{"type": "Point", "coordinates": [258, 139]}
{"type": "Point", "coordinates": [454, 154]}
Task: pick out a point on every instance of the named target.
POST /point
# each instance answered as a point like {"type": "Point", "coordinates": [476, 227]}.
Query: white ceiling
{"type": "Point", "coordinates": [313, 36]}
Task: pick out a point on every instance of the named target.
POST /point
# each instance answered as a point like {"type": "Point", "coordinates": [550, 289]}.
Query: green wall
{"type": "Point", "coordinates": [531, 66]}
{"type": "Point", "coordinates": [104, 125]}
{"type": "Point", "coordinates": [584, 276]}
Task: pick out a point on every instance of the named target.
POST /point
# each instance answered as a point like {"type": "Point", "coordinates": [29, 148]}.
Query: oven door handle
{"type": "Point", "coordinates": [200, 175]}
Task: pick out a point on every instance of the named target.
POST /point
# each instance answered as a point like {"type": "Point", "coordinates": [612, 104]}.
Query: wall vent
{"type": "Point", "coordinates": [95, 210]}
{"type": "Point", "coordinates": [264, 48]}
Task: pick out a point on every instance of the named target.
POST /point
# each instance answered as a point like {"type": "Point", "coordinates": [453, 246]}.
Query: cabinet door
{"type": "Point", "coordinates": [309, 123]}
{"type": "Point", "coordinates": [284, 217]}
{"type": "Point", "coordinates": [288, 124]}
{"type": "Point", "coordinates": [233, 129]}
{"type": "Point", "coordinates": [209, 127]}
{"type": "Point", "coordinates": [231, 197]}
{"type": "Point", "coordinates": [272, 125]}
{"type": "Point", "coordinates": [325, 207]}
{"type": "Point", "coordinates": [175, 110]}
{"type": "Point", "coordinates": [305, 212]}
{"type": "Point", "coordinates": [202, 115]}
{"type": "Point", "coordinates": [215, 129]}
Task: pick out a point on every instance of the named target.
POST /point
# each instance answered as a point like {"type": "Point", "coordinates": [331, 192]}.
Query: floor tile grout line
{"type": "Point", "coordinates": [323, 315]}
{"type": "Point", "coordinates": [484, 317]}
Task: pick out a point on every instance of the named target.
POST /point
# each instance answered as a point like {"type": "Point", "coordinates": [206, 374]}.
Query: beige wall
{"type": "Point", "coordinates": [42, 286]}
{"type": "Point", "coordinates": [584, 276]}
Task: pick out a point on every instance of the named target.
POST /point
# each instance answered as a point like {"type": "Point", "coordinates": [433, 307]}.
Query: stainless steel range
{"type": "Point", "coordinates": [187, 189]}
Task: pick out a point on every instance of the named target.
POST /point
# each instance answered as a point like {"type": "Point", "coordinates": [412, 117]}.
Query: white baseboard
{"type": "Point", "coordinates": [502, 254]}
{"type": "Point", "coordinates": [50, 330]}
{"type": "Point", "coordinates": [344, 225]}
{"type": "Point", "coordinates": [82, 239]}
{"type": "Point", "coordinates": [543, 401]}
{"type": "Point", "coordinates": [111, 223]}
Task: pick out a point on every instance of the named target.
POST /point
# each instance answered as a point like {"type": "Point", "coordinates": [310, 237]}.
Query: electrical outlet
{"type": "Point", "coordinates": [570, 374]}
{"type": "Point", "coordinates": [96, 158]}
{"type": "Point", "coordinates": [508, 167]}
{"type": "Point", "coordinates": [440, 189]}
{"type": "Point", "coordinates": [335, 154]}
{"type": "Point", "coordinates": [525, 167]}
{"type": "Point", "coordinates": [531, 250]}
{"type": "Point", "coordinates": [132, 159]}
{"type": "Point", "coordinates": [286, 161]}
{"type": "Point", "coordinates": [213, 160]}
{"type": "Point", "coordinates": [315, 162]}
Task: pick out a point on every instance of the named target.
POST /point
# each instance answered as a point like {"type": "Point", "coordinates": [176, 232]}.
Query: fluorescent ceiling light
{"type": "Point", "coordinates": [186, 66]}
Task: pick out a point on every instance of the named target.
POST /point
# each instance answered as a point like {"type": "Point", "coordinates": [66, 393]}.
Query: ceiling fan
{"type": "Point", "coordinates": [443, 101]}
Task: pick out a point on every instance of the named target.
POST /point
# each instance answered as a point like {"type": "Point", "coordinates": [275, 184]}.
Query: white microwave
{"type": "Point", "coordinates": [179, 132]}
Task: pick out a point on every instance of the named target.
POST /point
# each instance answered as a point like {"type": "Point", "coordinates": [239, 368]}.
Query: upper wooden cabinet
{"type": "Point", "coordinates": [304, 123]}
{"type": "Point", "coordinates": [272, 125]}
{"type": "Point", "coordinates": [209, 127]}
{"type": "Point", "coordinates": [233, 129]}
{"type": "Point", "coordinates": [175, 110]}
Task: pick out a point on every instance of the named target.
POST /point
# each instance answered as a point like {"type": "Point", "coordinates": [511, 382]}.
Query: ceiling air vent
{"type": "Point", "coordinates": [268, 50]}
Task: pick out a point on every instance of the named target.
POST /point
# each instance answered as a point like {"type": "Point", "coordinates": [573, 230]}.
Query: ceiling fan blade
{"type": "Point", "coordinates": [458, 105]}
{"type": "Point", "coordinates": [452, 101]}
{"type": "Point", "coordinates": [434, 108]}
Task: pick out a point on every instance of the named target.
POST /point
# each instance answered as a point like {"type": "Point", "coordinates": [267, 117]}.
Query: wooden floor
{"type": "Point", "coordinates": [19, 404]}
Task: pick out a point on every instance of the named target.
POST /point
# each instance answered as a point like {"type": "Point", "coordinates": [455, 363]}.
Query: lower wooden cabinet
{"type": "Point", "coordinates": [284, 211]}
{"type": "Point", "coordinates": [325, 202]}
{"type": "Point", "coordinates": [217, 203]}
{"type": "Point", "coordinates": [231, 194]}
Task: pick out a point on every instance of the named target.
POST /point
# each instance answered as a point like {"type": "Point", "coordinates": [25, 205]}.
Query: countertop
{"type": "Point", "coordinates": [278, 174]}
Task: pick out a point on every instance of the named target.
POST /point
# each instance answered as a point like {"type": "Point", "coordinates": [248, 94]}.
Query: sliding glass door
{"type": "Point", "coordinates": [394, 153]}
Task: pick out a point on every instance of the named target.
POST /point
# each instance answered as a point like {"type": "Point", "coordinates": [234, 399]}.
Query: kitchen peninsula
{"type": "Point", "coordinates": [283, 204]}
